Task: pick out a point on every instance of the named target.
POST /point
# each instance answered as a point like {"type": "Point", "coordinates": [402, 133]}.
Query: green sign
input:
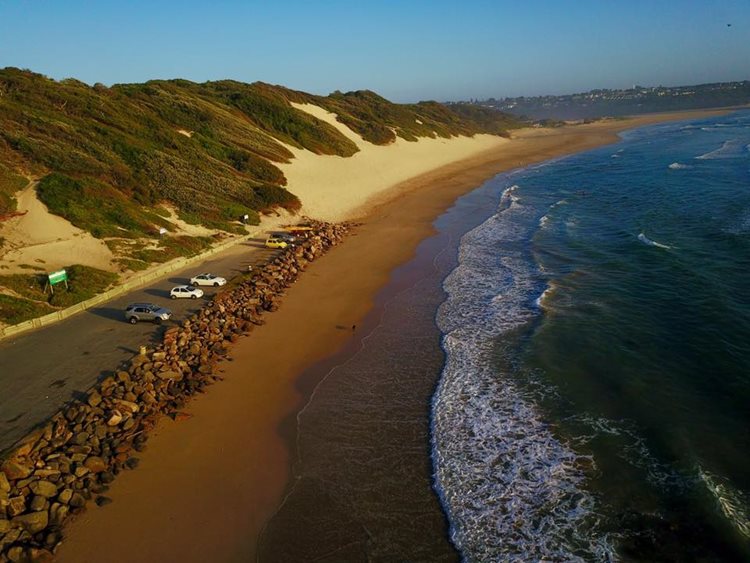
{"type": "Point", "coordinates": [58, 277]}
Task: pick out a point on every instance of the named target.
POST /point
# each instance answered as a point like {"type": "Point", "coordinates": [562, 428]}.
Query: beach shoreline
{"type": "Point", "coordinates": [219, 475]}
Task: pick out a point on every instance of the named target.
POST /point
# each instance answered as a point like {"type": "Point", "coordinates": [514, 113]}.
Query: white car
{"type": "Point", "coordinates": [207, 279]}
{"type": "Point", "coordinates": [185, 291]}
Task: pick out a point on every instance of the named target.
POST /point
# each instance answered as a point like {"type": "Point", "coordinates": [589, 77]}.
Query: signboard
{"type": "Point", "coordinates": [58, 277]}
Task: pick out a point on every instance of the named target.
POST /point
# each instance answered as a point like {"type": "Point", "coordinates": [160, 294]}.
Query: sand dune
{"type": "Point", "coordinates": [334, 188]}
{"type": "Point", "coordinates": [330, 187]}
{"type": "Point", "coordinates": [39, 238]}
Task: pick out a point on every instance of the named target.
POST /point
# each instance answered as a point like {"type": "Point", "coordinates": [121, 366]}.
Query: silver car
{"type": "Point", "coordinates": [146, 312]}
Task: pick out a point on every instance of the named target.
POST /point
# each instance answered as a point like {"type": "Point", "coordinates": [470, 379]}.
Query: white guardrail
{"type": "Point", "coordinates": [122, 288]}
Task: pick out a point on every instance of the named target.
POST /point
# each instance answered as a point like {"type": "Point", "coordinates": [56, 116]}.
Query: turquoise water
{"type": "Point", "coordinates": [595, 401]}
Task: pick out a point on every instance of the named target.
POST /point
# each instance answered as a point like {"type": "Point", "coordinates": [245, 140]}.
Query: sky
{"type": "Point", "coordinates": [407, 50]}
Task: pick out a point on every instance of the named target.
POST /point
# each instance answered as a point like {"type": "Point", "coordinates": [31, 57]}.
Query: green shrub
{"type": "Point", "coordinates": [98, 208]}
{"type": "Point", "coordinates": [14, 310]}
{"type": "Point", "coordinates": [10, 183]}
{"type": "Point", "coordinates": [30, 286]}
{"type": "Point", "coordinates": [84, 282]}
{"type": "Point", "coordinates": [107, 155]}
{"type": "Point", "coordinates": [173, 247]}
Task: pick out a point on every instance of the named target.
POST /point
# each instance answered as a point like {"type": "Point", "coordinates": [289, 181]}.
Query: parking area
{"type": "Point", "coordinates": [43, 369]}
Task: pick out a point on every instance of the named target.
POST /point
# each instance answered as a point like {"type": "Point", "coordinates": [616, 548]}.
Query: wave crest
{"type": "Point", "coordinates": [732, 502]}
{"type": "Point", "coordinates": [647, 241]}
{"type": "Point", "coordinates": [733, 148]}
{"type": "Point", "coordinates": [678, 166]}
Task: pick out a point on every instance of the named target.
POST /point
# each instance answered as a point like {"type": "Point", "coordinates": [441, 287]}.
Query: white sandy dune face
{"type": "Point", "coordinates": [331, 188]}
{"type": "Point", "coordinates": [335, 188]}
{"type": "Point", "coordinates": [39, 238]}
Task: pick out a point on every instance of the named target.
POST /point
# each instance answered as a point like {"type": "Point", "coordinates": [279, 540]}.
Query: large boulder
{"type": "Point", "coordinates": [32, 522]}
{"type": "Point", "coordinates": [15, 470]}
{"type": "Point", "coordinates": [169, 375]}
{"type": "Point", "coordinates": [44, 489]}
{"type": "Point", "coordinates": [16, 506]}
{"type": "Point", "coordinates": [95, 464]}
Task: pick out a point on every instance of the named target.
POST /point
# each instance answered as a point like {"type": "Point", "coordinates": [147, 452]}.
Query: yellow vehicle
{"type": "Point", "coordinates": [275, 242]}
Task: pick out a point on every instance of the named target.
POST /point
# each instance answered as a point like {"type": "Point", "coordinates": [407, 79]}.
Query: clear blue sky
{"type": "Point", "coordinates": [406, 50]}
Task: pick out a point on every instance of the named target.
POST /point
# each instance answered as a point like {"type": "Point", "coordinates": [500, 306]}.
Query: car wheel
{"type": "Point", "coordinates": [157, 320]}
{"type": "Point", "coordinates": [195, 284]}
{"type": "Point", "coordinates": [173, 296]}
{"type": "Point", "coordinates": [133, 320]}
{"type": "Point", "coordinates": [193, 296]}
{"type": "Point", "coordinates": [216, 284]}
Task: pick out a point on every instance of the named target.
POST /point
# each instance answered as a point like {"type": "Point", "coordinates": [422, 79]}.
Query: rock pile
{"type": "Point", "coordinates": [57, 470]}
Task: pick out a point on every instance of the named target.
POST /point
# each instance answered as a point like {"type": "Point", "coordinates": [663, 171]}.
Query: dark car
{"type": "Point", "coordinates": [146, 312]}
{"type": "Point", "coordinates": [288, 238]}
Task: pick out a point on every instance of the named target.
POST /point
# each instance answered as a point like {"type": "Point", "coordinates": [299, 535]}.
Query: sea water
{"type": "Point", "coordinates": [595, 399]}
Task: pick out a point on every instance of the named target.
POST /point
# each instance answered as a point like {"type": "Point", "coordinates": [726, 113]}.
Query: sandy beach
{"type": "Point", "coordinates": [207, 484]}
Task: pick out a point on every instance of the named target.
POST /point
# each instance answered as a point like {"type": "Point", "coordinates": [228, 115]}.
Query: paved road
{"type": "Point", "coordinates": [43, 369]}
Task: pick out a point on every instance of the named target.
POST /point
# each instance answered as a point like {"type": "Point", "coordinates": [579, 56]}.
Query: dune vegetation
{"type": "Point", "coordinates": [115, 161]}
{"type": "Point", "coordinates": [208, 149]}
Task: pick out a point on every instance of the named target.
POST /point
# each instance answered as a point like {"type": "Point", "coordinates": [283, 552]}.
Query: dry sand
{"type": "Point", "coordinates": [334, 188]}
{"type": "Point", "coordinates": [39, 238]}
{"type": "Point", "coordinates": [206, 485]}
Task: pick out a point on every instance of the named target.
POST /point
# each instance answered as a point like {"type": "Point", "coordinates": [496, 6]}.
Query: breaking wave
{"type": "Point", "coordinates": [730, 501]}
{"type": "Point", "coordinates": [511, 489]}
{"type": "Point", "coordinates": [733, 148]}
{"type": "Point", "coordinates": [678, 166]}
{"type": "Point", "coordinates": [645, 240]}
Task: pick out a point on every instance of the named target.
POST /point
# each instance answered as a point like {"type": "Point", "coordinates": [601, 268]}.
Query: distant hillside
{"type": "Point", "coordinates": [106, 155]}
{"type": "Point", "coordinates": [632, 101]}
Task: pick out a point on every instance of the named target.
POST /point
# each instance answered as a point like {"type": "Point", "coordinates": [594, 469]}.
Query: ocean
{"type": "Point", "coordinates": [594, 403]}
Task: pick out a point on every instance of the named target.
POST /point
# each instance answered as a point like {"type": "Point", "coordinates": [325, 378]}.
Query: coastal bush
{"type": "Point", "coordinates": [14, 310]}
{"type": "Point", "coordinates": [97, 207]}
{"type": "Point", "coordinates": [10, 183]}
{"type": "Point", "coordinates": [107, 154]}
{"type": "Point", "coordinates": [484, 120]}
{"type": "Point", "coordinates": [29, 286]}
{"type": "Point", "coordinates": [173, 247]}
{"type": "Point", "coordinates": [84, 282]}
{"type": "Point", "coordinates": [379, 121]}
{"type": "Point", "coordinates": [268, 196]}
{"type": "Point", "coordinates": [267, 107]}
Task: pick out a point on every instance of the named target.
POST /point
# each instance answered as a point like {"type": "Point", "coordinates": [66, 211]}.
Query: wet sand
{"type": "Point", "coordinates": [206, 486]}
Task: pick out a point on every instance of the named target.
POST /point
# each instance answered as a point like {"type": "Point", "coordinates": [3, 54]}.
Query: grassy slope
{"type": "Point", "coordinates": [122, 144]}
{"type": "Point", "coordinates": [106, 157]}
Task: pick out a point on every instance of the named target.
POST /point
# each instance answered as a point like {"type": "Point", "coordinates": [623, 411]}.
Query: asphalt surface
{"type": "Point", "coordinates": [42, 370]}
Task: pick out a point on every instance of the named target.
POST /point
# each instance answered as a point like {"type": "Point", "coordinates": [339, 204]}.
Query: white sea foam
{"type": "Point", "coordinates": [633, 448]}
{"type": "Point", "coordinates": [512, 490]}
{"type": "Point", "coordinates": [732, 148]}
{"type": "Point", "coordinates": [645, 240]}
{"type": "Point", "coordinates": [541, 301]}
{"type": "Point", "coordinates": [732, 502]}
{"type": "Point", "coordinates": [678, 166]}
